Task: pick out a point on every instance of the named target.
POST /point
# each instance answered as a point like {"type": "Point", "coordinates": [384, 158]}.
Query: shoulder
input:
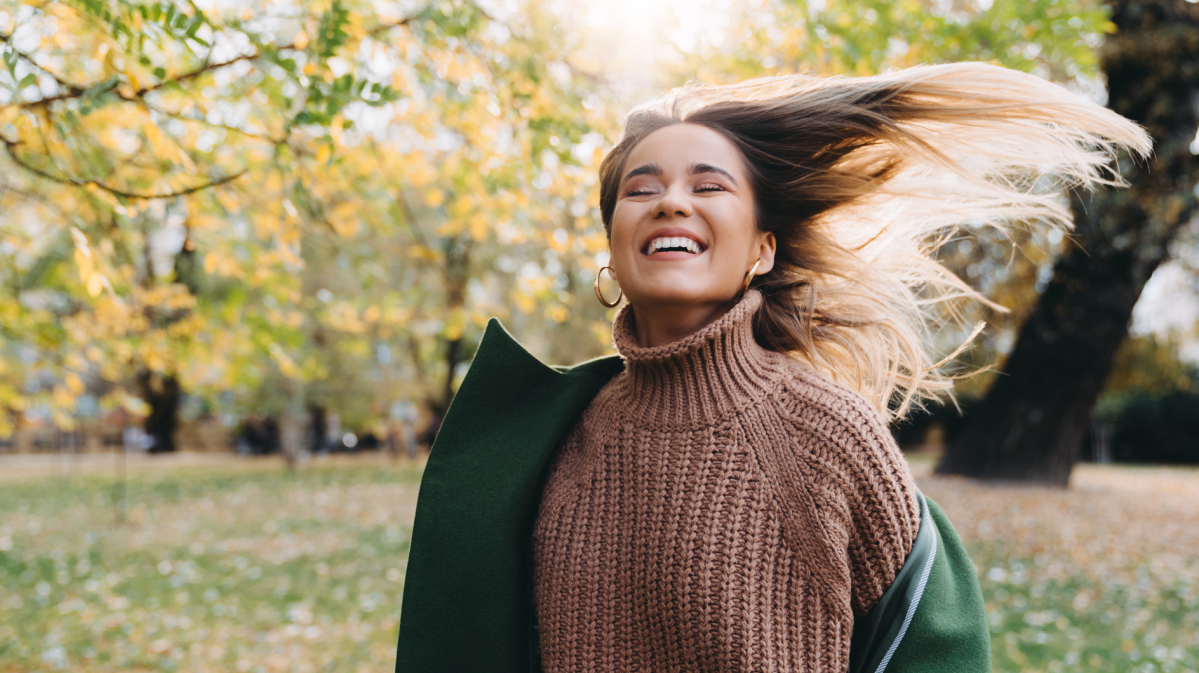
{"type": "Point", "coordinates": [842, 466]}
{"type": "Point", "coordinates": [834, 448]}
{"type": "Point", "coordinates": [829, 415]}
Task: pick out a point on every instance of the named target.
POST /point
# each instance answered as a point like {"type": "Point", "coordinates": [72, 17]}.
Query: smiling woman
{"type": "Point", "coordinates": [724, 495]}
{"type": "Point", "coordinates": [682, 233]}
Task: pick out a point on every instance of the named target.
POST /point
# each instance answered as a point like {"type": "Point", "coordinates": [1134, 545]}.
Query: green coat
{"type": "Point", "coordinates": [468, 590]}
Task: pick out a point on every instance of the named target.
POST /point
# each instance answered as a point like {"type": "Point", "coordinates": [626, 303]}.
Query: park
{"type": "Point", "coordinates": [248, 252]}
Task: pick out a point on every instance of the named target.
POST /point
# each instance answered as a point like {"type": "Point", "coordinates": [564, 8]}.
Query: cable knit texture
{"type": "Point", "coordinates": [717, 507]}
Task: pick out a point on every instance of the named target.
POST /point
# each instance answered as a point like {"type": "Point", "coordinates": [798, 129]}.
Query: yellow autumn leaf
{"type": "Point", "coordinates": [63, 397]}
{"type": "Point", "coordinates": [425, 253]}
{"type": "Point", "coordinates": [479, 227]}
{"type": "Point", "coordinates": [62, 419]}
{"type": "Point", "coordinates": [74, 384]}
{"type": "Point", "coordinates": [95, 284]}
{"type": "Point", "coordinates": [84, 261]}
{"type": "Point", "coordinates": [454, 324]}
{"type": "Point", "coordinates": [524, 302]}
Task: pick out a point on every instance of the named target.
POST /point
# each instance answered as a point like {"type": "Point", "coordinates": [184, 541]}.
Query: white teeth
{"type": "Point", "coordinates": [673, 242]}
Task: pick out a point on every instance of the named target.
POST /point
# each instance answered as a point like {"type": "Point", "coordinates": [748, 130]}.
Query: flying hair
{"type": "Point", "coordinates": [862, 179]}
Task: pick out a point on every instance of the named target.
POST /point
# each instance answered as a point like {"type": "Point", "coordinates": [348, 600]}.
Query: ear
{"type": "Point", "coordinates": [765, 252]}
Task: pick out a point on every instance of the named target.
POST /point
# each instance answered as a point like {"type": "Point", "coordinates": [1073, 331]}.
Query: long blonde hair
{"type": "Point", "coordinates": [861, 179]}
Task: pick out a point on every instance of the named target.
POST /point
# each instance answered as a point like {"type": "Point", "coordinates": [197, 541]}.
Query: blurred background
{"type": "Point", "coordinates": [247, 250]}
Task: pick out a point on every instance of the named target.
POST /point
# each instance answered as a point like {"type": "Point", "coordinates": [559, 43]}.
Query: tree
{"type": "Point", "coordinates": [112, 125]}
{"type": "Point", "coordinates": [1033, 420]}
{"type": "Point", "coordinates": [280, 203]}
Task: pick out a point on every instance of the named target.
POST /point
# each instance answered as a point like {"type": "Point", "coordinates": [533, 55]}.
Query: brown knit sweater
{"type": "Point", "coordinates": [718, 507]}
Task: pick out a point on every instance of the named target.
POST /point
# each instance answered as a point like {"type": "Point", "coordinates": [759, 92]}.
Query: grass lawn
{"type": "Point", "coordinates": [245, 567]}
{"type": "Point", "coordinates": [1103, 577]}
{"type": "Point", "coordinates": [217, 569]}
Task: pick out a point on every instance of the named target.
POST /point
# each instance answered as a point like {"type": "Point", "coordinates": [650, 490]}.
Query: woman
{"type": "Point", "coordinates": [725, 495]}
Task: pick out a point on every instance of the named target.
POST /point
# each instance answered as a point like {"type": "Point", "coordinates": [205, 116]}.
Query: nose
{"type": "Point", "coordinates": [673, 202]}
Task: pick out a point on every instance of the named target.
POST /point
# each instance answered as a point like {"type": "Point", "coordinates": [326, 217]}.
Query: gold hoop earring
{"type": "Point", "coordinates": [599, 295]}
{"type": "Point", "coordinates": [749, 277]}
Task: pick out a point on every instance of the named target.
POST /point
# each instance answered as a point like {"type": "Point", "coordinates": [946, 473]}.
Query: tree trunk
{"type": "Point", "coordinates": [456, 276]}
{"type": "Point", "coordinates": [293, 426]}
{"type": "Point", "coordinates": [1033, 421]}
{"type": "Point", "coordinates": [163, 394]}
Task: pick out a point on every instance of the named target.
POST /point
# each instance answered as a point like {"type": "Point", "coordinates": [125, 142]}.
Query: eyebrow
{"type": "Point", "coordinates": [697, 169]}
{"type": "Point", "coordinates": [648, 169]}
{"type": "Point", "coordinates": [694, 169]}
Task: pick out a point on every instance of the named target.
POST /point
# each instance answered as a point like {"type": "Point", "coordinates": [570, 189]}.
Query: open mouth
{"type": "Point", "coordinates": [673, 244]}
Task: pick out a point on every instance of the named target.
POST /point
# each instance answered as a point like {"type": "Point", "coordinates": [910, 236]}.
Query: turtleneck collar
{"type": "Point", "coordinates": [702, 377]}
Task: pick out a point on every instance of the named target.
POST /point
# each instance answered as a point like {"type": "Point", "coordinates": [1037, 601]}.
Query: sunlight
{"type": "Point", "coordinates": [635, 41]}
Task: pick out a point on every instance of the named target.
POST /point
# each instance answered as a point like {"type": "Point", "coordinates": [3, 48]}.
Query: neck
{"type": "Point", "coordinates": [701, 377]}
{"type": "Point", "coordinates": [658, 325]}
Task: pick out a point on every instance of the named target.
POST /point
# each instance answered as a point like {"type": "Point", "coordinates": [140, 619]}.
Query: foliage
{"type": "Point", "coordinates": [1152, 426]}
{"type": "Point", "coordinates": [1053, 38]}
{"type": "Point", "coordinates": [1151, 363]}
{"type": "Point", "coordinates": [251, 199]}
{"type": "Point", "coordinates": [1151, 403]}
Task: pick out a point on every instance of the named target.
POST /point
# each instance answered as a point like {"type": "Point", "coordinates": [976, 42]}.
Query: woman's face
{"type": "Point", "coordinates": [683, 230]}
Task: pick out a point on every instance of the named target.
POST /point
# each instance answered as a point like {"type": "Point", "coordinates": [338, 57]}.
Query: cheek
{"type": "Point", "coordinates": [620, 236]}
{"type": "Point", "coordinates": [734, 227]}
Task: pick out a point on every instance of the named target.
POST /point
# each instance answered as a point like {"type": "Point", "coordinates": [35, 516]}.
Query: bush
{"type": "Point", "coordinates": [1148, 427]}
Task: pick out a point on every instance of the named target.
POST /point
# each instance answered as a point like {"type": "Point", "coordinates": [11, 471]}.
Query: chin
{"type": "Point", "coordinates": [676, 296]}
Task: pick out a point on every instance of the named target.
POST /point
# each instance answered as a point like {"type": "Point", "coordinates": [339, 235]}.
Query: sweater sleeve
{"type": "Point", "coordinates": [843, 466]}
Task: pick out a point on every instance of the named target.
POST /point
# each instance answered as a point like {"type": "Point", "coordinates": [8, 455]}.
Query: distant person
{"type": "Point", "coordinates": [724, 495]}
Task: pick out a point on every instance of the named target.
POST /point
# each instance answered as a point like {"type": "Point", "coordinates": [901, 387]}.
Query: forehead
{"type": "Point", "coordinates": [681, 145]}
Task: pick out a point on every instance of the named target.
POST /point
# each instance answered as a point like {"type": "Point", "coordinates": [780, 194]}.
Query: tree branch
{"type": "Point", "coordinates": [10, 148]}
{"type": "Point", "coordinates": [388, 26]}
{"type": "Point", "coordinates": [7, 39]}
{"type": "Point", "coordinates": [182, 117]}
{"type": "Point", "coordinates": [75, 91]}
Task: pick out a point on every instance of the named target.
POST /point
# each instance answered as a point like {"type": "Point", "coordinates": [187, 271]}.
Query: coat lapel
{"type": "Point", "coordinates": [466, 603]}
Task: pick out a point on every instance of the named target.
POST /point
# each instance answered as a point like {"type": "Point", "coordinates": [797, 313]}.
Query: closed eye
{"type": "Point", "coordinates": [710, 187]}
{"type": "Point", "coordinates": [639, 192]}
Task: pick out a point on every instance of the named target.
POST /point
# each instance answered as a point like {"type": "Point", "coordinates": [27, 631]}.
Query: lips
{"type": "Point", "coordinates": [673, 243]}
